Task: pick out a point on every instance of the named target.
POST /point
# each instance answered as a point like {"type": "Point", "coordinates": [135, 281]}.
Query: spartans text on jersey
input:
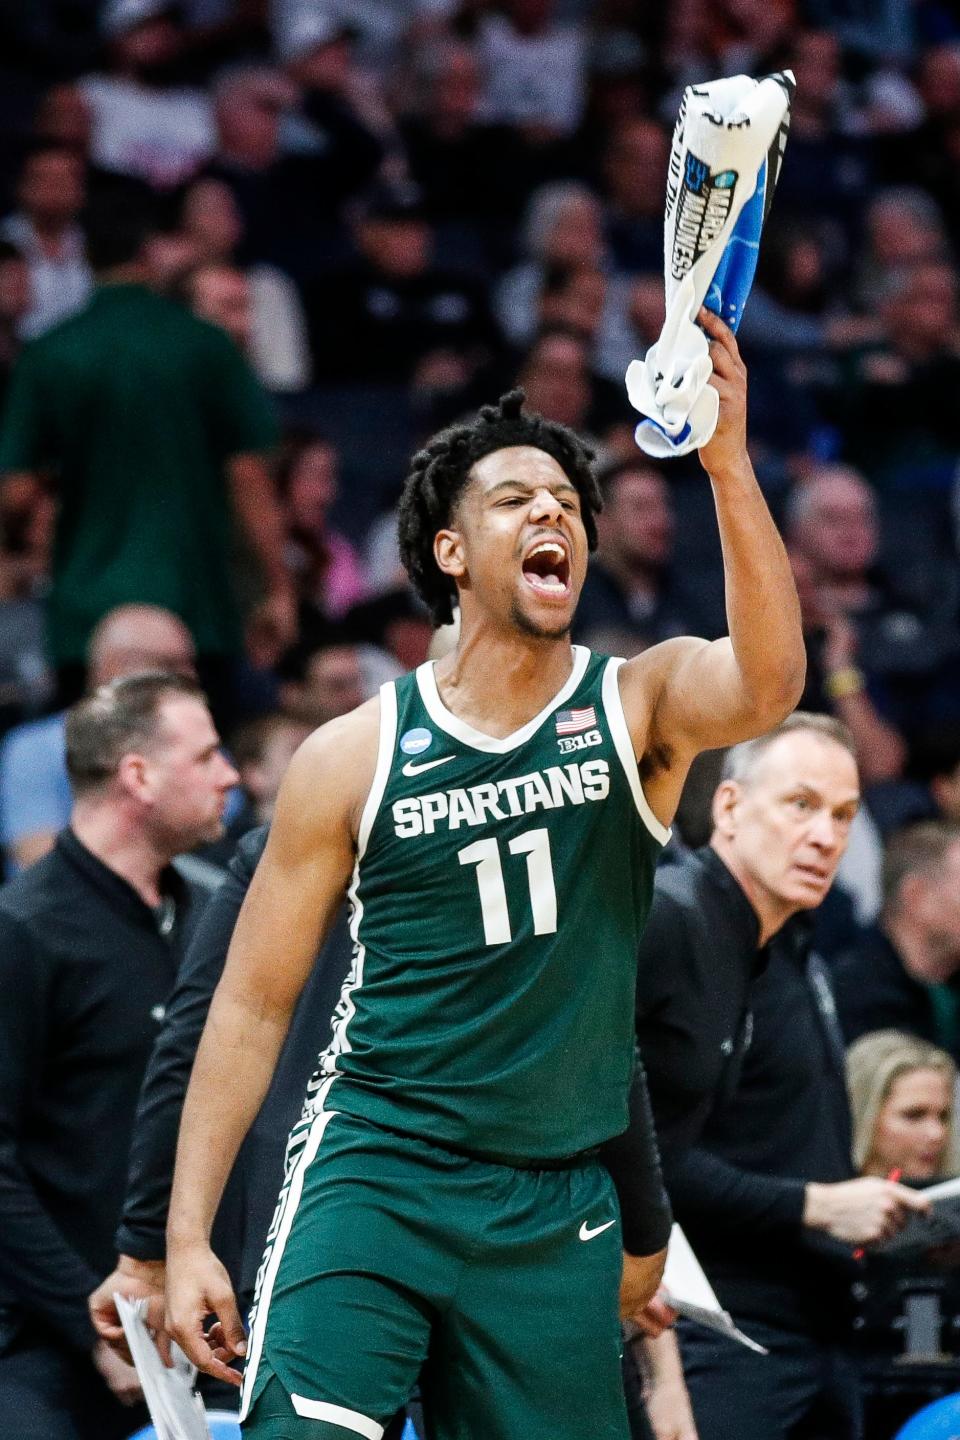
{"type": "Point", "coordinates": [547, 789]}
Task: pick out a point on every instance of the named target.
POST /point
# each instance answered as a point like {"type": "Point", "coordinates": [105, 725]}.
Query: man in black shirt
{"type": "Point", "coordinates": [744, 1063]}
{"type": "Point", "coordinates": [90, 939]}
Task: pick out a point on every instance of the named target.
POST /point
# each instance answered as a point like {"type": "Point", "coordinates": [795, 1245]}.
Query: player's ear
{"type": "Point", "coordinates": [448, 553]}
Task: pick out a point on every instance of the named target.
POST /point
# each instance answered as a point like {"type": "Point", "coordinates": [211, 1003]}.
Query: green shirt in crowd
{"type": "Point", "coordinates": [135, 407]}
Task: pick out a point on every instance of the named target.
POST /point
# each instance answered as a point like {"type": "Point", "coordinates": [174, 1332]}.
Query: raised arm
{"type": "Point", "coordinates": [688, 695]}
{"type": "Point", "coordinates": [292, 899]}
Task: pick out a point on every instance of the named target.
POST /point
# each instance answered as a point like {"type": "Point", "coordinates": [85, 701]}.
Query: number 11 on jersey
{"type": "Point", "coordinates": [485, 854]}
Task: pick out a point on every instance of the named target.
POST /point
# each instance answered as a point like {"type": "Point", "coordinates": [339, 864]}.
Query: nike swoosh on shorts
{"type": "Point", "coordinates": [587, 1234]}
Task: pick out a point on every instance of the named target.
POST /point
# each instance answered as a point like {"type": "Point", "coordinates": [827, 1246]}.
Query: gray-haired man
{"type": "Point", "coordinates": [744, 1061]}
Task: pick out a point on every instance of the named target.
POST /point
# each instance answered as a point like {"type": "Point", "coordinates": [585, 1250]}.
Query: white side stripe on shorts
{"type": "Point", "coordinates": [337, 1415]}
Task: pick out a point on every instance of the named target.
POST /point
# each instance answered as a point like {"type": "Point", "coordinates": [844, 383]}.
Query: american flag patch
{"type": "Point", "coordinates": [569, 722]}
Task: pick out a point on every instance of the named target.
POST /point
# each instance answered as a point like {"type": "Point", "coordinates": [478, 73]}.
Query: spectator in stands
{"type": "Point", "coordinates": [796, 305]}
{"type": "Point", "coordinates": [14, 306]}
{"type": "Point", "coordinates": [935, 763]}
{"type": "Point", "coordinates": [830, 159]}
{"type": "Point", "coordinates": [558, 382]}
{"type": "Point", "coordinates": [752, 1114]}
{"type": "Point", "coordinates": [144, 123]}
{"type": "Point", "coordinates": [35, 796]}
{"type": "Point", "coordinates": [562, 231]}
{"type": "Point", "coordinates": [896, 410]}
{"type": "Point", "coordinates": [467, 168]}
{"type": "Point", "coordinates": [902, 1099]}
{"type": "Point", "coordinates": [904, 228]}
{"type": "Point", "coordinates": [336, 678]}
{"type": "Point", "coordinates": [261, 750]}
{"type": "Point", "coordinates": [221, 294]}
{"type": "Point", "coordinates": [835, 681]}
{"type": "Point", "coordinates": [91, 943]}
{"type": "Point", "coordinates": [575, 298]}
{"type": "Point", "coordinates": [927, 154]}
{"type": "Point", "coordinates": [901, 975]}
{"type": "Point", "coordinates": [279, 350]}
{"type": "Point", "coordinates": [634, 181]}
{"type": "Point", "coordinates": [390, 316]}
{"type": "Point", "coordinates": [26, 680]}
{"type": "Point", "coordinates": [45, 229]}
{"type": "Point", "coordinates": [631, 324]}
{"type": "Point", "coordinates": [289, 202]}
{"type": "Point", "coordinates": [597, 306]}
{"type": "Point", "coordinates": [533, 67]}
{"type": "Point", "coordinates": [64, 121]}
{"type": "Point", "coordinates": [631, 584]}
{"type": "Point", "coordinates": [899, 622]}
{"type": "Point", "coordinates": [325, 566]}
{"type": "Point", "coordinates": [156, 430]}
{"type": "Point", "coordinates": [316, 50]}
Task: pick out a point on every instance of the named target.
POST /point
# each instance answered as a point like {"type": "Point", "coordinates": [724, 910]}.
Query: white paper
{"type": "Point", "coordinates": [689, 1292]}
{"type": "Point", "coordinates": [940, 1227]}
{"type": "Point", "coordinates": [176, 1410]}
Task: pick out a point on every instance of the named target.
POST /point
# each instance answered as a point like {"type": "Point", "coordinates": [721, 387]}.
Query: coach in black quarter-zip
{"type": "Point", "coordinates": [744, 1060]}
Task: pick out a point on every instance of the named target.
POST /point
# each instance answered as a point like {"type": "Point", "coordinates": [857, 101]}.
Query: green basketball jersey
{"type": "Point", "coordinates": [499, 895]}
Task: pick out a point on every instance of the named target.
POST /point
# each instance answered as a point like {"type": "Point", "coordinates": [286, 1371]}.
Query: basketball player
{"type": "Point", "coordinates": [500, 815]}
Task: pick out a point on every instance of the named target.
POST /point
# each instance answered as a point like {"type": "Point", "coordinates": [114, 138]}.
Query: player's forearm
{"type": "Point", "coordinates": [763, 612]}
{"type": "Point", "coordinates": [233, 1069]}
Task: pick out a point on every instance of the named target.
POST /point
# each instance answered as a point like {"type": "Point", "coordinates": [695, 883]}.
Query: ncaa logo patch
{"type": "Point", "coordinates": [414, 742]}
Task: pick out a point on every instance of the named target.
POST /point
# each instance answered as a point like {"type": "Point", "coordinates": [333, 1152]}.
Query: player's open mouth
{"type": "Point", "coordinates": [546, 569]}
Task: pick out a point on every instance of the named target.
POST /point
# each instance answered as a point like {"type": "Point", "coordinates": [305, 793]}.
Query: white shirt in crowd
{"type": "Point", "coordinates": [279, 349]}
{"type": "Point", "coordinates": [59, 286]}
{"type": "Point", "coordinates": [161, 136]}
{"type": "Point", "coordinates": [532, 79]}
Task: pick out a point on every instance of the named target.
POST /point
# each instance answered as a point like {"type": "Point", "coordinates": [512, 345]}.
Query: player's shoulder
{"type": "Point", "coordinates": [642, 678]}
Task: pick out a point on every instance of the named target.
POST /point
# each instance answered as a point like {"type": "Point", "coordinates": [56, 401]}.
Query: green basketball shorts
{"type": "Point", "coordinates": [393, 1261]}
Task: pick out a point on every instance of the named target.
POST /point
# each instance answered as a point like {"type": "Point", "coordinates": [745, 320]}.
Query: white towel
{"type": "Point", "coordinates": [725, 160]}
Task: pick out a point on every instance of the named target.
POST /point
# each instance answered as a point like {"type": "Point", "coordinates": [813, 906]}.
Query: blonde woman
{"type": "Point", "coordinates": [903, 1100]}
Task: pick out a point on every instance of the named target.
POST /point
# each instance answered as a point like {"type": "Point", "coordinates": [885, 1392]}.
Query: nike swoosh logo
{"type": "Point", "coordinates": [587, 1234]}
{"type": "Point", "coordinates": [411, 768]}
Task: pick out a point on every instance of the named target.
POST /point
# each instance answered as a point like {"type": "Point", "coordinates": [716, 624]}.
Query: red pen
{"type": "Point", "coordinates": [895, 1175]}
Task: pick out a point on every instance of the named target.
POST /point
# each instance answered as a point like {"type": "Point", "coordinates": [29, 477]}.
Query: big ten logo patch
{"type": "Point", "coordinates": [579, 742]}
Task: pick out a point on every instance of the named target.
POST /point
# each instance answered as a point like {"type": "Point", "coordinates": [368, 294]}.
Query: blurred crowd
{"type": "Point", "coordinates": [254, 252]}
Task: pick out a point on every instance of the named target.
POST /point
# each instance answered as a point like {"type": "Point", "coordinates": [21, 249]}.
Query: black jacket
{"type": "Point", "coordinates": [86, 968]}
{"type": "Point", "coordinates": [745, 1066]}
{"type": "Point", "coordinates": [251, 1193]}
{"type": "Point", "coordinates": [874, 992]}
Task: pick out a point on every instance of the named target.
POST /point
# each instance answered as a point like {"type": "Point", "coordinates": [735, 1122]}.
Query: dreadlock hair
{"type": "Point", "coordinates": [439, 472]}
